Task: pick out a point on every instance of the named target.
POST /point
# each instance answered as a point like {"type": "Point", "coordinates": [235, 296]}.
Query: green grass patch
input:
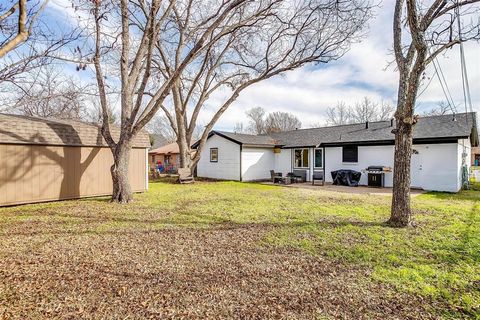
{"type": "Point", "coordinates": [438, 259]}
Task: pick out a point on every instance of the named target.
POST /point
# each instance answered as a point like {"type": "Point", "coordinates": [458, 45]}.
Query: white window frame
{"type": "Point", "coordinates": [308, 158]}
{"type": "Point", "coordinates": [213, 161]}
{"type": "Point", "coordinates": [323, 155]}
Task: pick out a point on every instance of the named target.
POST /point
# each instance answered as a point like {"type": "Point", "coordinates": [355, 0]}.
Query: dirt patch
{"type": "Point", "coordinates": [186, 273]}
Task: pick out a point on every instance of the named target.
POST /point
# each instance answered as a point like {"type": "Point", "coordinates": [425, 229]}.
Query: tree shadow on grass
{"type": "Point", "coordinates": [179, 223]}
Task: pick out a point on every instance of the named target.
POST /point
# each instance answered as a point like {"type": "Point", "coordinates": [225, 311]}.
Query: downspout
{"type": "Point", "coordinates": [324, 169]}
{"type": "Point", "coordinates": [241, 148]}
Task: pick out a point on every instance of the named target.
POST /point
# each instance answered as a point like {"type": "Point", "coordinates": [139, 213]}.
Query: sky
{"type": "Point", "coordinates": [365, 71]}
{"type": "Point", "coordinates": [362, 72]}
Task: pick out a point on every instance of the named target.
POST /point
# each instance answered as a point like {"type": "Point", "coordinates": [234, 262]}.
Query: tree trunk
{"type": "Point", "coordinates": [184, 144]}
{"type": "Point", "coordinates": [122, 191]}
{"type": "Point", "coordinates": [401, 215]}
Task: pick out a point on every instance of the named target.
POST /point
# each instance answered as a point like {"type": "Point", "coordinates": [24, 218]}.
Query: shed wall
{"type": "Point", "coordinates": [35, 173]}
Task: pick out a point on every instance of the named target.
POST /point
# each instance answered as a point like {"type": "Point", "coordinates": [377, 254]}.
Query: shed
{"type": "Point", "coordinates": [49, 159]}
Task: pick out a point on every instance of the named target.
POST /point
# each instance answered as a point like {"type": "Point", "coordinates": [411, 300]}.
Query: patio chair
{"type": "Point", "coordinates": [318, 176]}
{"type": "Point", "coordinates": [300, 175]}
{"type": "Point", "coordinates": [294, 178]}
{"type": "Point", "coordinates": [276, 176]}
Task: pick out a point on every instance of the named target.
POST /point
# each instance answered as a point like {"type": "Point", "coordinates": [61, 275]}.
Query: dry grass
{"type": "Point", "coordinates": [212, 250]}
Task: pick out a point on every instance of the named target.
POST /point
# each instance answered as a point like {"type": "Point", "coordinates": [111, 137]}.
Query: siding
{"type": "Point", "coordinates": [228, 165]}
{"type": "Point", "coordinates": [435, 167]}
{"type": "Point", "coordinates": [283, 161]}
{"type": "Point", "coordinates": [257, 163]}
{"type": "Point", "coordinates": [33, 173]}
{"type": "Point", "coordinates": [464, 145]}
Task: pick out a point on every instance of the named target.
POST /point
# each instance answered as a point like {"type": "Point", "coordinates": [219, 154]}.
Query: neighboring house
{"type": "Point", "coordinates": [47, 159]}
{"type": "Point", "coordinates": [441, 145]}
{"type": "Point", "coordinates": [476, 156]}
{"type": "Point", "coordinates": [168, 155]}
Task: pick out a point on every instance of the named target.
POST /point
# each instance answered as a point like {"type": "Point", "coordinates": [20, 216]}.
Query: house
{"type": "Point", "coordinates": [168, 155]}
{"type": "Point", "coordinates": [47, 159]}
{"type": "Point", "coordinates": [476, 156]}
{"type": "Point", "coordinates": [441, 145]}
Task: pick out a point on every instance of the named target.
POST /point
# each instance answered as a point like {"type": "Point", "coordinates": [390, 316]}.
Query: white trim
{"type": "Point", "coordinates": [314, 167]}
{"type": "Point", "coordinates": [308, 158]}
{"type": "Point", "coordinates": [147, 169]}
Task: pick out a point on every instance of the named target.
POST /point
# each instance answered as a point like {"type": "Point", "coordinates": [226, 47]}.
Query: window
{"type": "Point", "coordinates": [318, 158]}
{"type": "Point", "coordinates": [350, 154]}
{"type": "Point", "coordinates": [213, 154]}
{"type": "Point", "coordinates": [301, 158]}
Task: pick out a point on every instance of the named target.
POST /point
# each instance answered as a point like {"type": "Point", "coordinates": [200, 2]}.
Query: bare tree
{"type": "Point", "coordinates": [127, 36]}
{"type": "Point", "coordinates": [260, 39]}
{"type": "Point", "coordinates": [441, 109]}
{"type": "Point", "coordinates": [47, 92]}
{"type": "Point", "coordinates": [363, 111]}
{"type": "Point", "coordinates": [338, 115]}
{"type": "Point", "coordinates": [281, 121]}
{"type": "Point", "coordinates": [385, 111]}
{"type": "Point", "coordinates": [238, 128]}
{"type": "Point", "coordinates": [431, 29]}
{"type": "Point", "coordinates": [256, 120]}
{"type": "Point", "coordinates": [27, 44]}
{"type": "Point", "coordinates": [160, 125]}
{"type": "Point", "coordinates": [24, 14]}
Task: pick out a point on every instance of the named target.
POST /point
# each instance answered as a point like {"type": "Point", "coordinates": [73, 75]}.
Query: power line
{"type": "Point", "coordinates": [428, 84]}
{"type": "Point", "coordinates": [466, 86]}
{"type": "Point", "coordinates": [444, 85]}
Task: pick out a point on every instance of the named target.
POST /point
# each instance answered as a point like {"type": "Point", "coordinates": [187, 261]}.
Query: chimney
{"type": "Point", "coordinates": [366, 125]}
{"type": "Point", "coordinates": [391, 122]}
{"type": "Point", "coordinates": [454, 117]}
{"type": "Point", "coordinates": [296, 128]}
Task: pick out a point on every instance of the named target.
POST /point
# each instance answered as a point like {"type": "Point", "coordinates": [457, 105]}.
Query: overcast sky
{"type": "Point", "coordinates": [363, 71]}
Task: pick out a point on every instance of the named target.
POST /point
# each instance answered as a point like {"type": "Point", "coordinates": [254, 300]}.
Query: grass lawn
{"type": "Point", "coordinates": [239, 250]}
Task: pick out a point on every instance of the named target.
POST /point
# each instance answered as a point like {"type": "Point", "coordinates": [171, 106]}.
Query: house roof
{"type": "Point", "coordinates": [249, 139]}
{"type": "Point", "coordinates": [168, 149]}
{"type": "Point", "coordinates": [18, 129]}
{"type": "Point", "coordinates": [427, 128]}
{"type": "Point", "coordinates": [443, 127]}
{"type": "Point", "coordinates": [158, 141]}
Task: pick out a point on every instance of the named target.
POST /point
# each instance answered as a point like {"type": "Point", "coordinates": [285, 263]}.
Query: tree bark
{"type": "Point", "coordinates": [401, 214]}
{"type": "Point", "coordinates": [122, 191]}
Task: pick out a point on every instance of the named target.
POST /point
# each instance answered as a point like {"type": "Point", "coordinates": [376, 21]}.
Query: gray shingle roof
{"type": "Point", "coordinates": [249, 139]}
{"type": "Point", "coordinates": [18, 129]}
{"type": "Point", "coordinates": [431, 127]}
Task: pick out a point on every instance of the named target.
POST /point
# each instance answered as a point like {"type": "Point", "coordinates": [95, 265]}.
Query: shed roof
{"type": "Point", "coordinates": [18, 129]}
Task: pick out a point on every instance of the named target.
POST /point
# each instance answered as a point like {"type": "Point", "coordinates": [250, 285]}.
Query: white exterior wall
{"type": "Point", "coordinates": [283, 161]}
{"type": "Point", "coordinates": [257, 163]}
{"type": "Point", "coordinates": [435, 167]}
{"type": "Point", "coordinates": [367, 156]}
{"type": "Point", "coordinates": [463, 146]}
{"type": "Point", "coordinates": [228, 165]}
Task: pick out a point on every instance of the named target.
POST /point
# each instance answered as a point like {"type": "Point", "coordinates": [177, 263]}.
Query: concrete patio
{"type": "Point", "coordinates": [344, 189]}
